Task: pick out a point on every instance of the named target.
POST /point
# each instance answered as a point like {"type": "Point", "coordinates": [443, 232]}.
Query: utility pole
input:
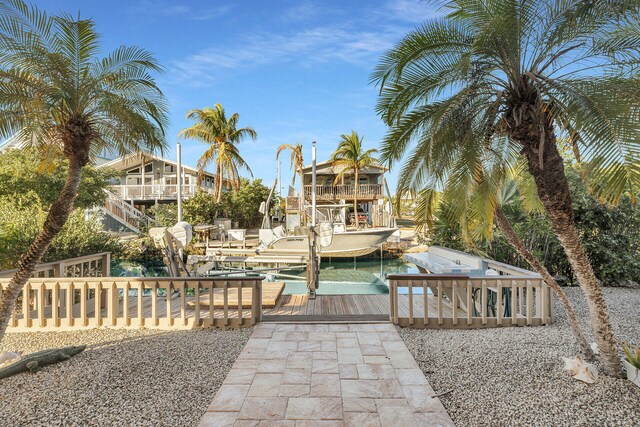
{"type": "Point", "coordinates": [279, 180]}
{"type": "Point", "coordinates": [313, 184]}
{"type": "Point", "coordinates": [179, 180]}
{"type": "Point", "coordinates": [314, 264]}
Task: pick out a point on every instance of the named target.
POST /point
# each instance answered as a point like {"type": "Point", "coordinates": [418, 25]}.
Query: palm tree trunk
{"type": "Point", "coordinates": [514, 240]}
{"type": "Point", "coordinates": [56, 218]}
{"type": "Point", "coordinates": [547, 169]}
{"type": "Point", "coordinates": [355, 198]}
{"type": "Point", "coordinates": [219, 184]}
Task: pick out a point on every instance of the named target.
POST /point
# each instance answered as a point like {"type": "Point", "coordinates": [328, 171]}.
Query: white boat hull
{"type": "Point", "coordinates": [343, 245]}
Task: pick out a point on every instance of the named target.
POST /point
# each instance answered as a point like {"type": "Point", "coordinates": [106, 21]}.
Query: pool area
{"type": "Point", "coordinates": [337, 277]}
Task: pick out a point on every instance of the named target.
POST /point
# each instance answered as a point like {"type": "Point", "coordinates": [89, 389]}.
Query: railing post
{"type": "Point", "coordinates": [529, 301]}
{"type": "Point", "coordinates": [425, 297]}
{"type": "Point", "coordinates": [225, 302]}
{"type": "Point", "coordinates": [240, 285]}
{"type": "Point", "coordinates": [470, 304]}
{"type": "Point", "coordinates": [410, 288]}
{"type": "Point", "coordinates": [455, 303]}
{"type": "Point", "coordinates": [439, 302]}
{"type": "Point", "coordinates": [40, 301]}
{"type": "Point", "coordinates": [168, 303]}
{"type": "Point", "coordinates": [69, 292]}
{"type": "Point", "coordinates": [55, 301]}
{"type": "Point", "coordinates": [125, 304]}
{"type": "Point", "coordinates": [183, 302]}
{"type": "Point", "coordinates": [196, 314]}
{"type": "Point", "coordinates": [257, 300]}
{"type": "Point", "coordinates": [552, 309]}
{"type": "Point", "coordinates": [391, 297]}
{"type": "Point", "coordinates": [106, 264]}
{"type": "Point", "coordinates": [484, 297]}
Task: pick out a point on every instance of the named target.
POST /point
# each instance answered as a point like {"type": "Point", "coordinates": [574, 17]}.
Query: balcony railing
{"type": "Point", "coordinates": [345, 191]}
{"type": "Point", "coordinates": [155, 191]}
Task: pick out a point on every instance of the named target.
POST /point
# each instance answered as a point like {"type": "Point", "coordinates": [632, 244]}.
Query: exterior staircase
{"type": "Point", "coordinates": [125, 214]}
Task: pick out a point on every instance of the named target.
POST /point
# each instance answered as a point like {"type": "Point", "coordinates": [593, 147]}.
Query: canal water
{"type": "Point", "coordinates": [337, 276]}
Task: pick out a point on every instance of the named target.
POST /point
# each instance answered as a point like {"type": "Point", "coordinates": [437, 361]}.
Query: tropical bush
{"type": "Point", "coordinates": [242, 205]}
{"type": "Point", "coordinates": [21, 219]}
{"type": "Point", "coordinates": [23, 170]}
{"type": "Point", "coordinates": [611, 236]}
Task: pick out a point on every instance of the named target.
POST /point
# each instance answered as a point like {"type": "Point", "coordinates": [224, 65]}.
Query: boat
{"type": "Point", "coordinates": [344, 244]}
{"type": "Point", "coordinates": [334, 239]}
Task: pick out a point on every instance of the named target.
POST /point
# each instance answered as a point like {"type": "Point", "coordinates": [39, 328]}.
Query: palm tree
{"type": "Point", "coordinates": [297, 162]}
{"type": "Point", "coordinates": [524, 72]}
{"type": "Point", "coordinates": [56, 94]}
{"type": "Point", "coordinates": [476, 203]}
{"type": "Point", "coordinates": [350, 158]}
{"type": "Point", "coordinates": [222, 135]}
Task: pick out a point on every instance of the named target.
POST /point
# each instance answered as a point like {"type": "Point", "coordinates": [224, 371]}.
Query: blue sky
{"type": "Point", "coordinates": [296, 71]}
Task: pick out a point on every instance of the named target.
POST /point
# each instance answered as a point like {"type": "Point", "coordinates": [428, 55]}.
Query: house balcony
{"type": "Point", "coordinates": [155, 191]}
{"type": "Point", "coordinates": [345, 192]}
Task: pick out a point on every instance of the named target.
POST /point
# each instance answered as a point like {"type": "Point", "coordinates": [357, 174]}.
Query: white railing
{"type": "Point", "coordinates": [159, 303]}
{"type": "Point", "coordinates": [85, 266]}
{"type": "Point", "coordinates": [155, 191]}
{"type": "Point", "coordinates": [344, 191]}
{"type": "Point", "coordinates": [458, 301]}
{"type": "Point", "coordinates": [125, 213]}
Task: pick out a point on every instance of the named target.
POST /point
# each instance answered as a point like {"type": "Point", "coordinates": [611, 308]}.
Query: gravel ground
{"type": "Point", "coordinates": [125, 377]}
{"type": "Point", "coordinates": [513, 376]}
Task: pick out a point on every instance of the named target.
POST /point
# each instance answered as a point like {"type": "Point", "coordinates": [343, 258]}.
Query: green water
{"type": "Point", "coordinates": [357, 276]}
{"type": "Point", "coordinates": [337, 277]}
{"type": "Point", "coordinates": [121, 268]}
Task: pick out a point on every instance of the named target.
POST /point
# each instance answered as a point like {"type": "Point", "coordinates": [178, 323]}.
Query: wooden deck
{"type": "Point", "coordinates": [374, 306]}
{"type": "Point", "coordinates": [288, 307]}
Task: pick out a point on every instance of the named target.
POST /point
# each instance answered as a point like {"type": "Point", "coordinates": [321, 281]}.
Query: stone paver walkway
{"type": "Point", "coordinates": [325, 375]}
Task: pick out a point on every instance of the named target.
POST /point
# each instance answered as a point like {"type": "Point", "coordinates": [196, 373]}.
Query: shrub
{"type": "Point", "coordinates": [21, 220]}
{"type": "Point", "coordinates": [611, 236]}
{"type": "Point", "coordinates": [22, 171]}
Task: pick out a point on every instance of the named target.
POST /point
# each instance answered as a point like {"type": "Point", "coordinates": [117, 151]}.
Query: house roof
{"type": "Point", "coordinates": [134, 159]}
{"type": "Point", "coordinates": [328, 168]}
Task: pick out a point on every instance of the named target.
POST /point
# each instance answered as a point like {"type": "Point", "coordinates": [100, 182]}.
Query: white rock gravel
{"type": "Point", "coordinates": [513, 376]}
{"type": "Point", "coordinates": [125, 377]}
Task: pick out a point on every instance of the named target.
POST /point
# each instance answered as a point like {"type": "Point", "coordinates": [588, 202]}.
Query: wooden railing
{"type": "Point", "coordinates": [124, 213]}
{"type": "Point", "coordinates": [344, 191]}
{"type": "Point", "coordinates": [155, 191]}
{"type": "Point", "coordinates": [506, 269]}
{"type": "Point", "coordinates": [94, 265]}
{"type": "Point", "coordinates": [159, 303]}
{"type": "Point", "coordinates": [458, 301]}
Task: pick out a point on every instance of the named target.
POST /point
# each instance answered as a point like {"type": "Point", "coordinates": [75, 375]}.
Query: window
{"type": "Point", "coordinates": [148, 168]}
{"type": "Point", "coordinates": [169, 168]}
{"type": "Point", "coordinates": [134, 171]}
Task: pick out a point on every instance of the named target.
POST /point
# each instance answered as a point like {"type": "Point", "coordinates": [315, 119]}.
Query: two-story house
{"type": "Point", "coordinates": [371, 191]}
{"type": "Point", "coordinates": [146, 180]}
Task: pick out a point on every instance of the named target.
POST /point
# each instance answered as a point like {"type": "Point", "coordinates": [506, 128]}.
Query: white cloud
{"type": "Point", "coordinates": [303, 48]}
{"type": "Point", "coordinates": [171, 9]}
{"type": "Point", "coordinates": [415, 11]}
